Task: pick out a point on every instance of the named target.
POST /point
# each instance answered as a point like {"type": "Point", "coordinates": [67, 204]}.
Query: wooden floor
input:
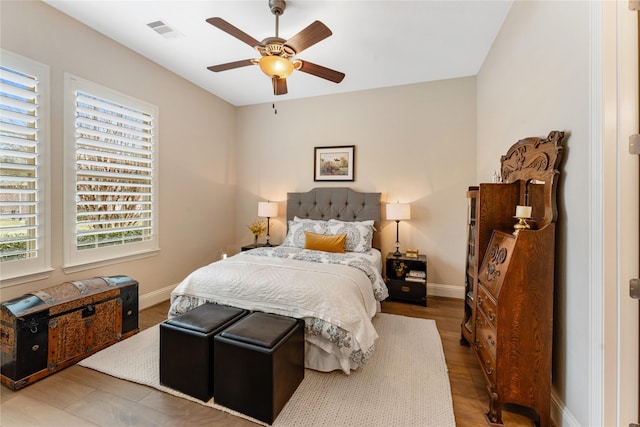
{"type": "Point", "coordinates": [79, 396]}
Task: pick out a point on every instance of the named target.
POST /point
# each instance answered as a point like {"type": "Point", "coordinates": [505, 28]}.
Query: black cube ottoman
{"type": "Point", "coordinates": [258, 364]}
{"type": "Point", "coordinates": [186, 348]}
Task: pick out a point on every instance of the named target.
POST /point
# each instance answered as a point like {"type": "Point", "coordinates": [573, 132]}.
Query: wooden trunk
{"type": "Point", "coordinates": [48, 330]}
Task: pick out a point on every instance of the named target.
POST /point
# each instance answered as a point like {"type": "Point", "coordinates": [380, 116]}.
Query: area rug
{"type": "Point", "coordinates": [405, 383]}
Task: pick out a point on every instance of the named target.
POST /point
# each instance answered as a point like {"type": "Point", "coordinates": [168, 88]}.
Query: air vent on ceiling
{"type": "Point", "coordinates": [163, 29]}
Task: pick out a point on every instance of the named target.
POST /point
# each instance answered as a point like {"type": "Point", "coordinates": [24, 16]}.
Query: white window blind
{"type": "Point", "coordinates": [114, 187]}
{"type": "Point", "coordinates": [23, 167]}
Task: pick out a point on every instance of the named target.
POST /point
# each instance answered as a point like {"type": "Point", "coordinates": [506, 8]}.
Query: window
{"type": "Point", "coordinates": [24, 169]}
{"type": "Point", "coordinates": [110, 184]}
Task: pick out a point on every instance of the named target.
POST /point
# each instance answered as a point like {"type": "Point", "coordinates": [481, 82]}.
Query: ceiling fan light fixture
{"type": "Point", "coordinates": [276, 66]}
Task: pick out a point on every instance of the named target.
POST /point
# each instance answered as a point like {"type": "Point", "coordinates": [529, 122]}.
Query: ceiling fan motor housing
{"type": "Point", "coordinates": [275, 46]}
{"type": "Point", "coordinates": [277, 6]}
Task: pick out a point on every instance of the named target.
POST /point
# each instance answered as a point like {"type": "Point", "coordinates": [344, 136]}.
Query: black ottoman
{"type": "Point", "coordinates": [186, 348]}
{"type": "Point", "coordinates": [259, 363]}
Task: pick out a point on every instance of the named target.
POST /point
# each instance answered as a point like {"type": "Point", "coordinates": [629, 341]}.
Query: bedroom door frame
{"type": "Point", "coordinates": [634, 149]}
{"type": "Point", "coordinates": [615, 194]}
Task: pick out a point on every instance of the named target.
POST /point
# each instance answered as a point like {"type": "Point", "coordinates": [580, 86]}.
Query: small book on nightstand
{"type": "Point", "coordinates": [412, 253]}
{"type": "Point", "coordinates": [417, 274]}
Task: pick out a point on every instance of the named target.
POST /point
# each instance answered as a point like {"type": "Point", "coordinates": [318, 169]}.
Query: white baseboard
{"type": "Point", "coordinates": [448, 291]}
{"type": "Point", "coordinates": [560, 415]}
{"type": "Point", "coordinates": [155, 297]}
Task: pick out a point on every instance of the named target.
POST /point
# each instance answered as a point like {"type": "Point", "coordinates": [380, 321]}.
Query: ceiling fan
{"type": "Point", "coordinates": [277, 55]}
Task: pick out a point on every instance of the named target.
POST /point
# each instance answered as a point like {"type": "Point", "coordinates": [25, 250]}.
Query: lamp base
{"type": "Point", "coordinates": [397, 253]}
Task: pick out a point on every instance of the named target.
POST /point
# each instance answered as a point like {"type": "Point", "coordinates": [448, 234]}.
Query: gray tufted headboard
{"type": "Point", "coordinates": [336, 203]}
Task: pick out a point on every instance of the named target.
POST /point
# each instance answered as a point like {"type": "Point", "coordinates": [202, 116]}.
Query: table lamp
{"type": "Point", "coordinates": [397, 212]}
{"type": "Point", "coordinates": [267, 210]}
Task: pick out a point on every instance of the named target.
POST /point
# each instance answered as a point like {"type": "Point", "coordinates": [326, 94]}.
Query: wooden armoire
{"type": "Point", "coordinates": [508, 314]}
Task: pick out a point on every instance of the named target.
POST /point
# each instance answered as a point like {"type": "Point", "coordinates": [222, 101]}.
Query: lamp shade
{"type": "Point", "coordinates": [267, 209]}
{"type": "Point", "coordinates": [398, 211]}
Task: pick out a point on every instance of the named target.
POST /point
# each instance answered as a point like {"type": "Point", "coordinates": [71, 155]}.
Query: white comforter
{"type": "Point", "coordinates": [336, 295]}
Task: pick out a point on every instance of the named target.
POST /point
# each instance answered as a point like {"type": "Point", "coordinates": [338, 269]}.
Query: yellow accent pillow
{"type": "Point", "coordinates": [327, 243]}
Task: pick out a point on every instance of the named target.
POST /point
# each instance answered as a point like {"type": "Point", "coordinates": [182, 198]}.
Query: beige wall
{"type": "Point", "coordinates": [196, 144]}
{"type": "Point", "coordinates": [536, 79]}
{"type": "Point", "coordinates": [414, 144]}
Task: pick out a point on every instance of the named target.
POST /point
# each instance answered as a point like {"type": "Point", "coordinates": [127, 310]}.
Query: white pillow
{"type": "Point", "coordinates": [295, 232]}
{"type": "Point", "coordinates": [359, 234]}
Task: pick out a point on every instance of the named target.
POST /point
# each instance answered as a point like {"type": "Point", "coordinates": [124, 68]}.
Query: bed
{"type": "Point", "coordinates": [337, 294]}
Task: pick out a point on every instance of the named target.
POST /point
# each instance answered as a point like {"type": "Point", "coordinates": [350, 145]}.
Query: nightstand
{"type": "Point", "coordinates": [259, 245]}
{"type": "Point", "coordinates": [249, 247]}
{"type": "Point", "coordinates": [407, 278]}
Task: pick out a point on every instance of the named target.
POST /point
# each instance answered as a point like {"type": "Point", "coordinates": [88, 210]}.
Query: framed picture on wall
{"type": "Point", "coordinates": [335, 163]}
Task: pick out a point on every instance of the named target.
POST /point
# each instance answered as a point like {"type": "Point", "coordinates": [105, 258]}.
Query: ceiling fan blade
{"type": "Point", "coordinates": [311, 35]}
{"type": "Point", "coordinates": [322, 72]}
{"type": "Point", "coordinates": [279, 86]}
{"type": "Point", "coordinates": [230, 65]}
{"type": "Point", "coordinates": [235, 32]}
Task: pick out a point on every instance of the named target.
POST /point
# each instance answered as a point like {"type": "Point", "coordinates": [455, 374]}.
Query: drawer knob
{"type": "Point", "coordinates": [405, 289]}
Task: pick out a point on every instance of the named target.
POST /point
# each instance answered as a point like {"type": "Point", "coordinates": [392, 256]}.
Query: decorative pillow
{"type": "Point", "coordinates": [366, 222]}
{"type": "Point", "coordinates": [295, 232]}
{"type": "Point", "coordinates": [359, 234]}
{"type": "Point", "coordinates": [320, 242]}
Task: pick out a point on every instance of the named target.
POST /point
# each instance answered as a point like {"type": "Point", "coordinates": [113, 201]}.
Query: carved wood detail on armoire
{"type": "Point", "coordinates": [508, 314]}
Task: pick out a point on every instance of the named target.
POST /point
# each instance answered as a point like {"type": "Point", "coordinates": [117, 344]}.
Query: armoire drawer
{"type": "Point", "coordinates": [485, 333]}
{"type": "Point", "coordinates": [487, 361]}
{"type": "Point", "coordinates": [487, 305]}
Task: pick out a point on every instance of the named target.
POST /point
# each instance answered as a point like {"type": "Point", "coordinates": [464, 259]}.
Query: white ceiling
{"type": "Point", "coordinates": [375, 43]}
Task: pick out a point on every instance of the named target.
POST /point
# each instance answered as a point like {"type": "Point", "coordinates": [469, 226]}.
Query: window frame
{"type": "Point", "coordinates": [73, 258]}
{"type": "Point", "coordinates": [19, 271]}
